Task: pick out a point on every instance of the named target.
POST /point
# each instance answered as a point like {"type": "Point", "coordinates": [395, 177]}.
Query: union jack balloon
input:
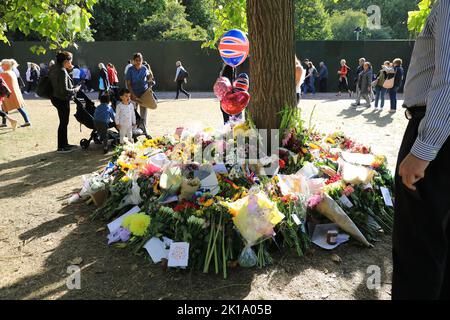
{"type": "Point", "coordinates": [234, 48]}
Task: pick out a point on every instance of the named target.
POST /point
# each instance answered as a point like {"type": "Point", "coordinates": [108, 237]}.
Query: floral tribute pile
{"type": "Point", "coordinates": [221, 212]}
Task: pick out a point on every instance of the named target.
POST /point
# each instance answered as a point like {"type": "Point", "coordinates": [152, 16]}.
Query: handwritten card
{"type": "Point", "coordinates": [387, 196]}
{"type": "Point", "coordinates": [346, 201]}
{"type": "Point", "coordinates": [178, 254]}
{"type": "Point", "coordinates": [113, 226]}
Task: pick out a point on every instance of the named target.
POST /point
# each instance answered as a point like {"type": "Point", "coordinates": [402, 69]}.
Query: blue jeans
{"type": "Point", "coordinates": [380, 92]}
{"type": "Point", "coordinates": [393, 97]}
{"type": "Point", "coordinates": [24, 114]}
{"type": "Point", "coordinates": [309, 85]}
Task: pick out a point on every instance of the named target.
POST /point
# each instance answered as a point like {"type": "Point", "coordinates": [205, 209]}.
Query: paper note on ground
{"type": "Point", "coordinates": [320, 236]}
{"type": "Point", "coordinates": [157, 250]}
{"type": "Point", "coordinates": [113, 226]}
{"type": "Point", "coordinates": [178, 254]}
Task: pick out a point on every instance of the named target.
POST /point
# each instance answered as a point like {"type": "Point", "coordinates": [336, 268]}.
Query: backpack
{"type": "Point", "coordinates": [183, 74]}
{"type": "Point", "coordinates": [45, 88]}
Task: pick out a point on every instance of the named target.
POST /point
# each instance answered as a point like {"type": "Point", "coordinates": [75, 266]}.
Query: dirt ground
{"type": "Point", "coordinates": [40, 236]}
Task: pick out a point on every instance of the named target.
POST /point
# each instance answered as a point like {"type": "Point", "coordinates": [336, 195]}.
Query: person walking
{"type": "Point", "coordinates": [103, 81]}
{"type": "Point", "coordinates": [76, 75]}
{"type": "Point", "coordinates": [181, 78]}
{"type": "Point", "coordinates": [32, 77]}
{"type": "Point", "coordinates": [138, 82]}
{"type": "Point", "coordinates": [15, 100]}
{"type": "Point", "coordinates": [63, 92]}
{"type": "Point", "coordinates": [151, 77]}
{"type": "Point", "coordinates": [343, 78]}
{"type": "Point", "coordinates": [365, 83]}
{"type": "Point", "coordinates": [310, 79]}
{"type": "Point", "coordinates": [5, 92]}
{"type": "Point", "coordinates": [323, 77]}
{"type": "Point", "coordinates": [421, 237]}
{"type": "Point", "coordinates": [359, 69]}
{"type": "Point", "coordinates": [386, 73]}
{"type": "Point", "coordinates": [398, 82]}
{"type": "Point", "coordinates": [86, 72]}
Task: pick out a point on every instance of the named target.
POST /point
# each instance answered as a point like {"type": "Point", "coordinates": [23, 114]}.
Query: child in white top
{"type": "Point", "coordinates": [125, 116]}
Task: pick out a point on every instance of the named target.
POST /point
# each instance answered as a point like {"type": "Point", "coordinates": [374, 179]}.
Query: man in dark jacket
{"type": "Point", "coordinates": [323, 78]}
{"type": "Point", "coordinates": [398, 82]}
{"type": "Point", "coordinates": [63, 92]}
{"type": "Point", "coordinates": [357, 87]}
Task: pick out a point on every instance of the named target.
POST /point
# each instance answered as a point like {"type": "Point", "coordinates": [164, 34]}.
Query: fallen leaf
{"type": "Point", "coordinates": [77, 261]}
{"type": "Point", "coordinates": [336, 258]}
{"type": "Point", "coordinates": [121, 293]}
{"type": "Point", "coordinates": [80, 219]}
{"type": "Point", "coordinates": [101, 229]}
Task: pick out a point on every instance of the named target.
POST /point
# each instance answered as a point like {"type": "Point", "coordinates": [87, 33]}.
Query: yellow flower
{"type": "Point", "coordinates": [208, 203]}
{"type": "Point", "coordinates": [208, 130]}
{"type": "Point", "coordinates": [241, 129]}
{"type": "Point", "coordinates": [137, 224]}
{"type": "Point", "coordinates": [314, 146]}
{"type": "Point", "coordinates": [330, 140]}
{"type": "Point", "coordinates": [125, 179]}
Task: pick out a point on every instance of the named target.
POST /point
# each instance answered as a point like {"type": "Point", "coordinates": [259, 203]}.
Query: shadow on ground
{"type": "Point", "coordinates": [40, 171]}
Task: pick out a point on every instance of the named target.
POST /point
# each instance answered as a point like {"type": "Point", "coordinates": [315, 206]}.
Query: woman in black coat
{"type": "Point", "coordinates": [103, 80]}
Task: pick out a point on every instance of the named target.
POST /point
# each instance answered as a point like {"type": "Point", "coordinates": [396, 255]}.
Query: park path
{"type": "Point", "coordinates": [40, 236]}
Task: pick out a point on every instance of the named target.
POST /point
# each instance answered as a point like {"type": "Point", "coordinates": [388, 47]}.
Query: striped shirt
{"type": "Point", "coordinates": [428, 82]}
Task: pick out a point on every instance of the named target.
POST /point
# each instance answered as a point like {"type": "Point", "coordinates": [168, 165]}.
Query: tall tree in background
{"type": "Point", "coordinates": [56, 22]}
{"type": "Point", "coordinates": [120, 20]}
{"type": "Point", "coordinates": [170, 23]}
{"type": "Point", "coordinates": [312, 22]}
{"type": "Point", "coordinates": [272, 57]}
{"type": "Point", "coordinates": [200, 12]}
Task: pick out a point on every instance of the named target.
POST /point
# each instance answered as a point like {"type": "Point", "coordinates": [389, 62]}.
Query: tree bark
{"type": "Point", "coordinates": [272, 60]}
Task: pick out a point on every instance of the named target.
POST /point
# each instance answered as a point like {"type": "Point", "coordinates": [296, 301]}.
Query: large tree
{"type": "Point", "coordinates": [272, 57]}
{"type": "Point", "coordinates": [54, 21]}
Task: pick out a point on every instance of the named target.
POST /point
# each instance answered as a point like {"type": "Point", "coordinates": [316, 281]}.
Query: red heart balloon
{"type": "Point", "coordinates": [222, 87]}
{"type": "Point", "coordinates": [235, 103]}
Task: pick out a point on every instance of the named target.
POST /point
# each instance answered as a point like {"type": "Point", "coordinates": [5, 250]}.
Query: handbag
{"type": "Point", "coordinates": [389, 83]}
{"type": "Point", "coordinates": [147, 100]}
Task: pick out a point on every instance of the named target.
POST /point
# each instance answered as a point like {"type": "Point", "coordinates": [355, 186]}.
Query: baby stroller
{"type": "Point", "coordinates": [85, 116]}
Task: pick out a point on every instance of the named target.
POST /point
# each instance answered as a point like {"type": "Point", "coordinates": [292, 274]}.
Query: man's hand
{"type": "Point", "coordinates": [412, 170]}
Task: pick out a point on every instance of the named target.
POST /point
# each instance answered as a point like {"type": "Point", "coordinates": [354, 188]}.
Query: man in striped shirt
{"type": "Point", "coordinates": [421, 237]}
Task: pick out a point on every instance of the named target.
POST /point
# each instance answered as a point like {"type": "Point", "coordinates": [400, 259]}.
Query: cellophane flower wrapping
{"type": "Point", "coordinates": [255, 216]}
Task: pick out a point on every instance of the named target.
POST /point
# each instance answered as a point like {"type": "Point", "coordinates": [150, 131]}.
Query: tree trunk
{"type": "Point", "coordinates": [272, 60]}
